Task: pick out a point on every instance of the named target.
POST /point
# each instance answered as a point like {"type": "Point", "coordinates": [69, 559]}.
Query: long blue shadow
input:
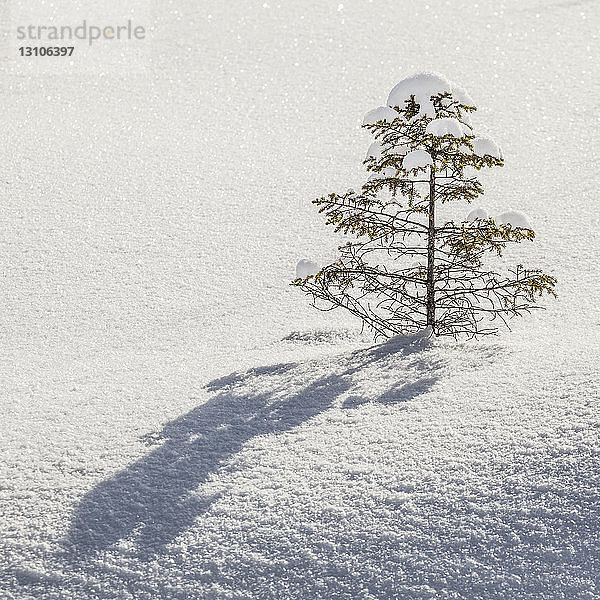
{"type": "Point", "coordinates": [152, 499]}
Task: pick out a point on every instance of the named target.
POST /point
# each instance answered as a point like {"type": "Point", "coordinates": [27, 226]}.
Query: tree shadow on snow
{"type": "Point", "coordinates": [152, 501]}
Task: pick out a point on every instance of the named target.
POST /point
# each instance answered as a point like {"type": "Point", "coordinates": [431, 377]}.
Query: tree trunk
{"type": "Point", "coordinates": [431, 253]}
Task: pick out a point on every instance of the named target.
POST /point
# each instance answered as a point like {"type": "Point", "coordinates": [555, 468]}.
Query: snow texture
{"type": "Point", "coordinates": [178, 422]}
{"type": "Point", "coordinates": [445, 126]}
{"type": "Point", "coordinates": [417, 159]}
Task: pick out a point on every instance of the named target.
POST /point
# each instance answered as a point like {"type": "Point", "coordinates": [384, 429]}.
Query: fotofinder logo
{"type": "Point", "coordinates": [84, 31]}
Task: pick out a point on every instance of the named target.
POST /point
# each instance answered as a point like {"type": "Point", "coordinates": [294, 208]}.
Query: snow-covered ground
{"type": "Point", "coordinates": [178, 423]}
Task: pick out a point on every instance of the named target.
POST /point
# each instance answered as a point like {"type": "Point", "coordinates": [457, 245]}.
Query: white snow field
{"type": "Point", "coordinates": [177, 422]}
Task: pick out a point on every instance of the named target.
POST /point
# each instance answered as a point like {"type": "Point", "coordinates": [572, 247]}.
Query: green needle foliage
{"type": "Point", "coordinates": [403, 271]}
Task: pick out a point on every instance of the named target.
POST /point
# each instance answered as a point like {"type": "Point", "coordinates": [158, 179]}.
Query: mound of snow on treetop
{"type": "Point", "coordinates": [417, 159]}
{"type": "Point", "coordinates": [423, 86]}
{"type": "Point", "coordinates": [445, 126]}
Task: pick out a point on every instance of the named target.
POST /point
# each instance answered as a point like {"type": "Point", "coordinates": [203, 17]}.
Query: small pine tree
{"type": "Point", "coordinates": [406, 271]}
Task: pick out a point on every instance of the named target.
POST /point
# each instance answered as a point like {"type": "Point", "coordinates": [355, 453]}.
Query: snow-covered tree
{"type": "Point", "coordinates": [407, 270]}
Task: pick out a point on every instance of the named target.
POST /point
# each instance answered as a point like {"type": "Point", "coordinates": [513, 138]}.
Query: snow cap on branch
{"type": "Point", "coordinates": [445, 126]}
{"type": "Point", "coordinates": [381, 113]}
{"type": "Point", "coordinates": [461, 95]}
{"type": "Point", "coordinates": [484, 145]}
{"type": "Point", "coordinates": [375, 150]}
{"type": "Point", "coordinates": [387, 172]}
{"type": "Point", "coordinates": [400, 149]}
{"type": "Point", "coordinates": [305, 268]}
{"type": "Point", "coordinates": [514, 218]}
{"type": "Point", "coordinates": [416, 159]}
{"type": "Point", "coordinates": [478, 213]}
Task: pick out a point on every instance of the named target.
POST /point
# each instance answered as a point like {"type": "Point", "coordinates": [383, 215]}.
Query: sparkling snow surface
{"type": "Point", "coordinates": [177, 422]}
